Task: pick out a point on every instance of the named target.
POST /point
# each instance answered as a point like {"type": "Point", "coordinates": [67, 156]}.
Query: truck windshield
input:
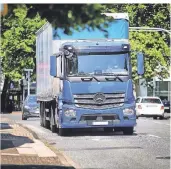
{"type": "Point", "coordinates": [98, 65]}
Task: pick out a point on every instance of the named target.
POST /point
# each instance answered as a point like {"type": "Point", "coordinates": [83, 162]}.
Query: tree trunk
{"type": "Point", "coordinates": [4, 96]}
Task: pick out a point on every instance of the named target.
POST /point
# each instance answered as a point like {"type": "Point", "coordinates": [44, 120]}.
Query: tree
{"type": "Point", "coordinates": [19, 41]}
{"type": "Point", "coordinates": [154, 45]}
{"type": "Point", "coordinates": [67, 16]}
{"type": "Point", "coordinates": [18, 44]}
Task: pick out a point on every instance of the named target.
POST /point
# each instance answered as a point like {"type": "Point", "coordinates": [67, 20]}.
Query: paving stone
{"type": "Point", "coordinates": [25, 150]}
{"type": "Point", "coordinates": [20, 143]}
{"type": "Point", "coordinates": [5, 159]}
{"type": "Point", "coordinates": [19, 147]}
{"type": "Point", "coordinates": [8, 147]}
{"type": "Point", "coordinates": [43, 151]}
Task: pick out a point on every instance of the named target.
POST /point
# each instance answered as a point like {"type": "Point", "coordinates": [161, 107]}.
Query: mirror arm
{"type": "Point", "coordinates": [59, 54]}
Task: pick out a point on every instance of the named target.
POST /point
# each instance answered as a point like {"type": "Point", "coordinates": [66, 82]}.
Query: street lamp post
{"type": "Point", "coordinates": [28, 76]}
{"type": "Point", "coordinates": [146, 29]}
{"type": "Point", "coordinates": [1, 82]}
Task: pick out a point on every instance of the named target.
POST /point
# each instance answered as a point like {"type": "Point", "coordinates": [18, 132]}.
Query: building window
{"type": "Point", "coordinates": [162, 89]}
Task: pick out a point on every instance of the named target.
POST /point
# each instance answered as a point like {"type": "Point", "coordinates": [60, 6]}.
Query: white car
{"type": "Point", "coordinates": [149, 107]}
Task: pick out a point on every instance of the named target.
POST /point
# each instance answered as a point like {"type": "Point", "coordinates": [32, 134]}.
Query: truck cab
{"type": "Point", "coordinates": [91, 85]}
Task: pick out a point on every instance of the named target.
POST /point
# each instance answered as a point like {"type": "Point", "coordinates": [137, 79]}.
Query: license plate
{"type": "Point", "coordinates": [166, 108]}
{"type": "Point", "coordinates": [151, 106]}
{"type": "Point", "coordinates": [35, 112]}
{"type": "Point", "coordinates": [98, 123]}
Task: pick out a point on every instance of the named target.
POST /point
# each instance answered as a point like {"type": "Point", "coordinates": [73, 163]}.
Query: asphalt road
{"type": "Point", "coordinates": [148, 148]}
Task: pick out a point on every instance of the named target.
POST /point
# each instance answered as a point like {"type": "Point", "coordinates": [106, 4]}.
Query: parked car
{"type": "Point", "coordinates": [149, 107]}
{"type": "Point", "coordinates": [30, 107]}
{"type": "Point", "coordinates": [166, 106]}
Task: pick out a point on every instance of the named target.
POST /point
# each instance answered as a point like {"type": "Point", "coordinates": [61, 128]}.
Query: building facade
{"type": "Point", "coordinates": [159, 88]}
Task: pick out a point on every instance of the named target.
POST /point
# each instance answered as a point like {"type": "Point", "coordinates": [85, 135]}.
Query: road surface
{"type": "Point", "coordinates": [148, 148]}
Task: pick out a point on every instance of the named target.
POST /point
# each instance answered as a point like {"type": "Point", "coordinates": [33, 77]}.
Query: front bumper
{"type": "Point", "coordinates": [141, 113]}
{"type": "Point", "coordinates": [31, 114]}
{"type": "Point", "coordinates": [103, 118]}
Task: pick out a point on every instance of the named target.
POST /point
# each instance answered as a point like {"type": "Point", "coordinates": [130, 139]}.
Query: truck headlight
{"type": "Point", "coordinates": [70, 113]}
{"type": "Point", "coordinates": [128, 111]}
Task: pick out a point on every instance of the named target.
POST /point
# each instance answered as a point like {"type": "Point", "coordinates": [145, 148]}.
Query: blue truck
{"type": "Point", "coordinates": [85, 80]}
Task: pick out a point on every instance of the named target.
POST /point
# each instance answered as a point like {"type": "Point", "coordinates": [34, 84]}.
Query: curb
{"type": "Point", "coordinates": [63, 158]}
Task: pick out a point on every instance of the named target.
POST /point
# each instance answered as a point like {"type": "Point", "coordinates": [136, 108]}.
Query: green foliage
{"type": "Point", "coordinates": [154, 45]}
{"type": "Point", "coordinates": [19, 37]}
{"type": "Point", "coordinates": [18, 41]}
{"type": "Point", "coordinates": [68, 16]}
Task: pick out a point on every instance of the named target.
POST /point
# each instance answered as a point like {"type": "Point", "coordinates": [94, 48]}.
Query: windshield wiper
{"type": "Point", "coordinates": [88, 76]}
{"type": "Point", "coordinates": [114, 77]}
{"type": "Point", "coordinates": [95, 78]}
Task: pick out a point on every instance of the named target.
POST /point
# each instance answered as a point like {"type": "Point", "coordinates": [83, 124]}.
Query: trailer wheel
{"type": "Point", "coordinates": [128, 130]}
{"type": "Point", "coordinates": [41, 114]}
{"type": "Point", "coordinates": [46, 123]}
{"type": "Point", "coordinates": [52, 121]}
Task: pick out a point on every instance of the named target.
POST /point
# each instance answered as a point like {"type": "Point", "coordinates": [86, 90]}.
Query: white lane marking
{"type": "Point", "coordinates": [95, 139]}
{"type": "Point", "coordinates": [151, 135]}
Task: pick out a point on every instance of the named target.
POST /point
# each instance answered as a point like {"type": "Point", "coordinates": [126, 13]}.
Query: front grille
{"type": "Point", "coordinates": [111, 100]}
{"type": "Point", "coordinates": [99, 117]}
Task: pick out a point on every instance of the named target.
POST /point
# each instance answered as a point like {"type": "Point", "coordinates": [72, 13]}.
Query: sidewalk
{"type": "Point", "coordinates": [20, 147]}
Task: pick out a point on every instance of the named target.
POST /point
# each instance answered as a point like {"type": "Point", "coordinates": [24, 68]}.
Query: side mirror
{"type": "Point", "coordinates": [53, 66]}
{"type": "Point", "coordinates": [140, 63]}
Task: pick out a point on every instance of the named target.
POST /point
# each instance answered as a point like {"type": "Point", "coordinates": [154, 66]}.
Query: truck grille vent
{"type": "Point", "coordinates": [99, 100]}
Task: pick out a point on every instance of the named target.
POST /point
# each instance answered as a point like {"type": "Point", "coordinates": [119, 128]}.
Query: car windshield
{"type": "Point", "coordinates": [32, 99]}
{"type": "Point", "coordinates": [98, 65]}
{"type": "Point", "coordinates": [151, 100]}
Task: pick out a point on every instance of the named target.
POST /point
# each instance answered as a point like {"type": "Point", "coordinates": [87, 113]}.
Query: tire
{"type": "Point", "coordinates": [108, 129]}
{"type": "Point", "coordinates": [137, 117]}
{"type": "Point", "coordinates": [155, 118]}
{"type": "Point", "coordinates": [24, 118]}
{"type": "Point", "coordinates": [117, 129]}
{"type": "Point", "coordinates": [128, 131]}
{"type": "Point", "coordinates": [41, 114]}
{"type": "Point", "coordinates": [161, 117]}
{"type": "Point", "coordinates": [62, 132]}
{"type": "Point", "coordinates": [52, 125]}
{"type": "Point", "coordinates": [46, 123]}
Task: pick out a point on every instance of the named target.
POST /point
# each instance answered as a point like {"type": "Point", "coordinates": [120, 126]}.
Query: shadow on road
{"type": "Point", "coordinates": [94, 132]}
{"type": "Point", "coordinates": [35, 167]}
{"type": "Point", "coordinates": [5, 126]}
{"type": "Point", "coordinates": [11, 141]}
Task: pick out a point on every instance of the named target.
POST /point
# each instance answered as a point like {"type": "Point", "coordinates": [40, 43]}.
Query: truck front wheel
{"type": "Point", "coordinates": [128, 130]}
{"type": "Point", "coordinates": [62, 131]}
{"type": "Point", "coordinates": [108, 129]}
